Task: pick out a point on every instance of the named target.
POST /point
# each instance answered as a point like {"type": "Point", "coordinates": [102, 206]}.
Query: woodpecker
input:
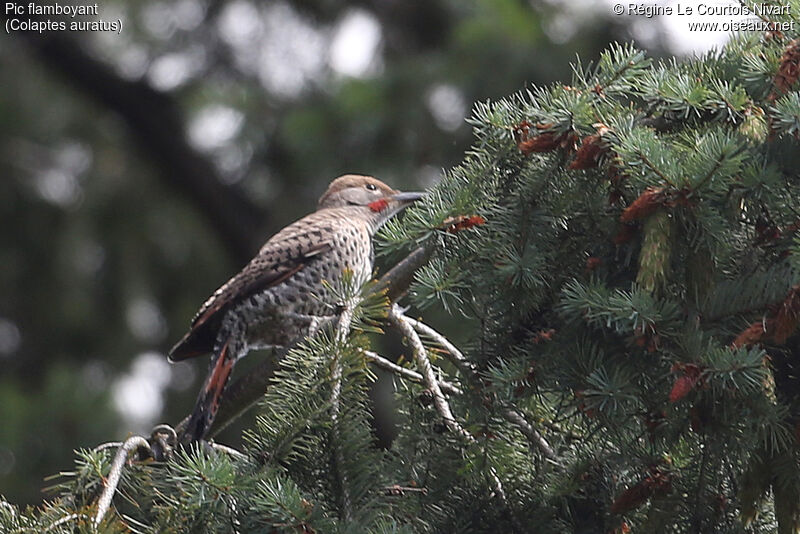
{"type": "Point", "coordinates": [280, 295]}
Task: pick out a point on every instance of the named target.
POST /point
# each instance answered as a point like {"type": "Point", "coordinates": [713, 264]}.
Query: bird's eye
{"type": "Point", "coordinates": [371, 187]}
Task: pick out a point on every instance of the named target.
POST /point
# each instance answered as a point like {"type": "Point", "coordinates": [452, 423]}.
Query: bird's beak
{"type": "Point", "coordinates": [407, 198]}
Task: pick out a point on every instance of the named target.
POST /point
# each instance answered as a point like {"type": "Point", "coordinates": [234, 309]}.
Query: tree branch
{"type": "Point", "coordinates": [426, 370]}
{"type": "Point", "coordinates": [420, 355]}
{"type": "Point", "coordinates": [465, 366]}
{"type": "Point", "coordinates": [396, 281]}
{"type": "Point", "coordinates": [104, 503]}
{"type": "Point", "coordinates": [517, 419]}
{"type": "Point", "coordinates": [408, 374]}
{"type": "Point", "coordinates": [454, 355]}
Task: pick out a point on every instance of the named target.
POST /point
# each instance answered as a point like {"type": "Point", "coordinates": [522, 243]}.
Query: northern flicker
{"type": "Point", "coordinates": [280, 295]}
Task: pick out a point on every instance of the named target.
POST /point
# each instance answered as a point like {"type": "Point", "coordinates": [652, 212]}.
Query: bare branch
{"type": "Point", "coordinates": [420, 355]}
{"type": "Point", "coordinates": [230, 451]}
{"type": "Point", "coordinates": [396, 281]}
{"type": "Point", "coordinates": [533, 435]}
{"type": "Point", "coordinates": [109, 445]}
{"type": "Point", "coordinates": [61, 521]}
{"type": "Point", "coordinates": [115, 473]}
{"type": "Point", "coordinates": [426, 370]}
{"type": "Point", "coordinates": [414, 376]}
{"type": "Point", "coordinates": [466, 367]}
{"type": "Point", "coordinates": [397, 489]}
{"type": "Point", "coordinates": [455, 355]}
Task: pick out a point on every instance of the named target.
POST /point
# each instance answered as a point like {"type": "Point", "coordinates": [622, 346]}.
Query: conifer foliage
{"type": "Point", "coordinates": [623, 255]}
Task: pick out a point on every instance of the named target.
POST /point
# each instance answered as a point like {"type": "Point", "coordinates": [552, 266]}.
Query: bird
{"type": "Point", "coordinates": [284, 291]}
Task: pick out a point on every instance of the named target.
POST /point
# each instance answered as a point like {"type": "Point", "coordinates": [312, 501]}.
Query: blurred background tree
{"type": "Point", "coordinates": [142, 169]}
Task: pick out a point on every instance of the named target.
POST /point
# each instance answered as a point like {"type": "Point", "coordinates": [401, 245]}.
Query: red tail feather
{"type": "Point", "coordinates": [205, 409]}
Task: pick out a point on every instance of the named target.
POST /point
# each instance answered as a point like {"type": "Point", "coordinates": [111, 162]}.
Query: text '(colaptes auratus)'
{"type": "Point", "coordinates": [280, 294]}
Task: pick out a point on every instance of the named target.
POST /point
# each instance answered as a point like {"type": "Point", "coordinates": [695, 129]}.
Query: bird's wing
{"type": "Point", "coordinates": [285, 254]}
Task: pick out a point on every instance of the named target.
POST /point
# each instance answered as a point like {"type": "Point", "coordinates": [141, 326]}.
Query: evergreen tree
{"type": "Point", "coordinates": [623, 254]}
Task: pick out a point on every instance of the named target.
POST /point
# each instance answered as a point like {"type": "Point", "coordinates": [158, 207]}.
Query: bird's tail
{"type": "Point", "coordinates": [205, 409]}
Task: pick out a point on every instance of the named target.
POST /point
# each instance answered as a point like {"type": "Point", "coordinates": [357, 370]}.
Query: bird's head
{"type": "Point", "coordinates": [379, 200]}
